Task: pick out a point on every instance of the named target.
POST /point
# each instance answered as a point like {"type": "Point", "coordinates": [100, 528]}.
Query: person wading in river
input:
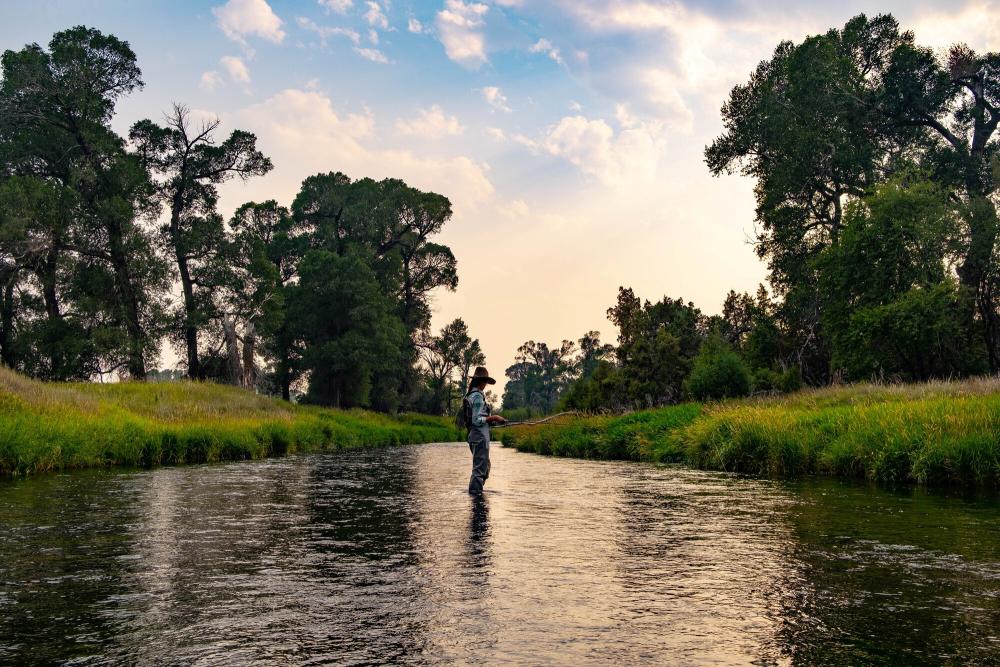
{"type": "Point", "coordinates": [478, 420]}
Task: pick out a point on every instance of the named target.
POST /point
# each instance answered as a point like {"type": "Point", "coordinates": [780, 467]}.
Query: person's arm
{"type": "Point", "coordinates": [478, 403]}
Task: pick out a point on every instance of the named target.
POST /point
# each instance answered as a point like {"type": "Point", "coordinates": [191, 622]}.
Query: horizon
{"type": "Point", "coordinates": [568, 135]}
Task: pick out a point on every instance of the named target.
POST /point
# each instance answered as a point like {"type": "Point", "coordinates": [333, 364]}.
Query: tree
{"type": "Point", "coordinates": [346, 326]}
{"type": "Point", "coordinates": [190, 166]}
{"type": "Point", "coordinates": [389, 225]}
{"type": "Point", "coordinates": [893, 260]}
{"type": "Point", "coordinates": [592, 353]}
{"type": "Point", "coordinates": [261, 255]}
{"type": "Point", "coordinates": [451, 352]}
{"type": "Point", "coordinates": [718, 372]}
{"type": "Point", "coordinates": [55, 128]}
{"type": "Point", "coordinates": [825, 121]}
{"type": "Point", "coordinates": [539, 376]}
{"type": "Point", "coordinates": [656, 343]}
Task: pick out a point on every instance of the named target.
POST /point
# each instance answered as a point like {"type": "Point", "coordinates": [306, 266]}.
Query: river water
{"type": "Point", "coordinates": [377, 556]}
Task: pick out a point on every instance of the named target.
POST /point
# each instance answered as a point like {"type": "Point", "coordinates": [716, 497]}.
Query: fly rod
{"type": "Point", "coordinates": [533, 423]}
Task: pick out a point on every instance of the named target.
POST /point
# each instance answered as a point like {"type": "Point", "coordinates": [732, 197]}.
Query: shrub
{"type": "Point", "coordinates": [718, 372]}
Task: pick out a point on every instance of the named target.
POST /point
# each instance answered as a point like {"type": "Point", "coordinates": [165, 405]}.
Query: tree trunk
{"type": "Point", "coordinates": [7, 323]}
{"type": "Point", "coordinates": [235, 369]}
{"type": "Point", "coordinates": [187, 287]}
{"type": "Point", "coordinates": [130, 303]}
{"type": "Point", "coordinates": [47, 276]}
{"type": "Point", "coordinates": [975, 270]}
{"type": "Point", "coordinates": [249, 353]}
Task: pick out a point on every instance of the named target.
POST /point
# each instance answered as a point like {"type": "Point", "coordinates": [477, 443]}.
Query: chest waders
{"type": "Point", "coordinates": [479, 444]}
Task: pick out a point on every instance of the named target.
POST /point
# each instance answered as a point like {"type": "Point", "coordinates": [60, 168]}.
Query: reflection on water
{"type": "Point", "coordinates": [381, 556]}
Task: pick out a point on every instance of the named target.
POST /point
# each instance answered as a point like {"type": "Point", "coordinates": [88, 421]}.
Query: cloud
{"type": "Point", "coordinates": [495, 98]}
{"type": "Point", "coordinates": [339, 6]}
{"type": "Point", "coordinates": [460, 28]}
{"type": "Point", "coordinates": [210, 80]}
{"type": "Point", "coordinates": [304, 134]}
{"type": "Point", "coordinates": [241, 18]}
{"type": "Point", "coordinates": [415, 26]}
{"type": "Point", "coordinates": [324, 31]}
{"type": "Point", "coordinates": [236, 69]}
{"type": "Point", "coordinates": [662, 94]}
{"type": "Point", "coordinates": [373, 55]}
{"type": "Point", "coordinates": [375, 16]}
{"type": "Point", "coordinates": [514, 209]}
{"type": "Point", "coordinates": [545, 46]}
{"type": "Point", "coordinates": [618, 160]}
{"type": "Point", "coordinates": [671, 59]}
{"type": "Point", "coordinates": [430, 124]}
{"type": "Point", "coordinates": [495, 133]}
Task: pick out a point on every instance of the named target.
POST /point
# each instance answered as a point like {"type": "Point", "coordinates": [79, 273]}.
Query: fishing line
{"type": "Point", "coordinates": [540, 421]}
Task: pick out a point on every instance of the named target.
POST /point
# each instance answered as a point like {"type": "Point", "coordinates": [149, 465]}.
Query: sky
{"type": "Point", "coordinates": [568, 134]}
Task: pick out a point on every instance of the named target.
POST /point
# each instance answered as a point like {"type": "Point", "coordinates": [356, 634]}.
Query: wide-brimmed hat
{"type": "Point", "coordinates": [482, 374]}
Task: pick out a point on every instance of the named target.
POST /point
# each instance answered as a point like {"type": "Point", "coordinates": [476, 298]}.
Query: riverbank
{"type": "Point", "coordinates": [48, 426]}
{"type": "Point", "coordinates": [934, 433]}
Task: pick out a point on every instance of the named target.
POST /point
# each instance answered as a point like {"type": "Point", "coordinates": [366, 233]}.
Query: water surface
{"type": "Point", "coordinates": [380, 556]}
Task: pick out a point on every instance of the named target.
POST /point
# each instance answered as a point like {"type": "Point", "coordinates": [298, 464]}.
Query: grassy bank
{"type": "Point", "coordinates": [52, 426]}
{"type": "Point", "coordinates": [935, 433]}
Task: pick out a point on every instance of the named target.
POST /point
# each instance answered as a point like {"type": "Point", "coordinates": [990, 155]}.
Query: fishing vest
{"type": "Point", "coordinates": [468, 416]}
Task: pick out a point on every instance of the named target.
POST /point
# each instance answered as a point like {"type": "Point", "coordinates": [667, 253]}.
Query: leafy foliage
{"type": "Point", "coordinates": [717, 373]}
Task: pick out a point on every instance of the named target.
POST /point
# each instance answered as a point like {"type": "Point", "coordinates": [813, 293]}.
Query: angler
{"type": "Point", "coordinates": [477, 419]}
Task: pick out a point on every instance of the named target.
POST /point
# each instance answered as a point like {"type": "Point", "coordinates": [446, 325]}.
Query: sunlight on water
{"type": "Point", "coordinates": [380, 556]}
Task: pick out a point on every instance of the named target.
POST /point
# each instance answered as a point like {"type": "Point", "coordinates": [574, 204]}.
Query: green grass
{"type": "Point", "coordinates": [935, 433]}
{"type": "Point", "coordinates": [47, 426]}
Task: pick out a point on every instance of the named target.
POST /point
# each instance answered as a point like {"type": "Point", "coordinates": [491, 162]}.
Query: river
{"type": "Point", "coordinates": [375, 556]}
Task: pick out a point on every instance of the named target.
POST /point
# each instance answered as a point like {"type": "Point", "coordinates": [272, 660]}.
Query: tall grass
{"type": "Point", "coordinates": [45, 426]}
{"type": "Point", "coordinates": [934, 433]}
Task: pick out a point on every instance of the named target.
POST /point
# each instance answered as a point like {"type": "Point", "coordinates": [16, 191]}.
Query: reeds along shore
{"type": "Point", "coordinates": [936, 433]}
{"type": "Point", "coordinates": [47, 426]}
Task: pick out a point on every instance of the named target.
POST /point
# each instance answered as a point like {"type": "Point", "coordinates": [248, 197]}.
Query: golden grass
{"type": "Point", "coordinates": [935, 432]}
{"type": "Point", "coordinates": [48, 426]}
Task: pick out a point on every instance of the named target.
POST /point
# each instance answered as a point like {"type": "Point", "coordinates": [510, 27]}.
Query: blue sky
{"type": "Point", "coordinates": [568, 133]}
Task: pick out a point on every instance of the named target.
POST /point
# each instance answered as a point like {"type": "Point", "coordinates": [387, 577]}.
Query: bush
{"type": "Point", "coordinates": [718, 373]}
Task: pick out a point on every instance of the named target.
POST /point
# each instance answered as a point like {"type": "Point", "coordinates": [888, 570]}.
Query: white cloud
{"type": "Point", "coordinates": [662, 93]}
{"type": "Point", "coordinates": [339, 6]}
{"type": "Point", "coordinates": [618, 160]}
{"type": "Point", "coordinates": [430, 124]}
{"type": "Point", "coordinates": [514, 209]}
{"type": "Point", "coordinates": [236, 69]}
{"type": "Point", "coordinates": [460, 28]}
{"type": "Point", "coordinates": [210, 80]}
{"type": "Point", "coordinates": [373, 55]}
{"type": "Point", "coordinates": [526, 141]}
{"type": "Point", "coordinates": [545, 46]}
{"type": "Point", "coordinates": [241, 18]}
{"type": "Point", "coordinates": [495, 98]}
{"type": "Point", "coordinates": [373, 36]}
{"type": "Point", "coordinates": [375, 16]}
{"type": "Point", "coordinates": [575, 106]}
{"type": "Point", "coordinates": [324, 31]}
{"type": "Point", "coordinates": [680, 55]}
{"type": "Point", "coordinates": [415, 26]}
{"type": "Point", "coordinates": [304, 134]}
{"type": "Point", "coordinates": [495, 133]}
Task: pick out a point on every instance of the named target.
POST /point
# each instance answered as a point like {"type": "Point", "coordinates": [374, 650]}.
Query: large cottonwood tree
{"type": "Point", "coordinates": [189, 165]}
{"type": "Point", "coordinates": [824, 121]}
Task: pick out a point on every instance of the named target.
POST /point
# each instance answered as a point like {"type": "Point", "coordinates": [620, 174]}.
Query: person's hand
{"type": "Point", "coordinates": [495, 419]}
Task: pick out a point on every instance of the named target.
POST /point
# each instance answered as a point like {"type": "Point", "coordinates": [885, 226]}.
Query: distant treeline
{"type": "Point", "coordinates": [328, 298]}
{"type": "Point", "coordinates": [876, 167]}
